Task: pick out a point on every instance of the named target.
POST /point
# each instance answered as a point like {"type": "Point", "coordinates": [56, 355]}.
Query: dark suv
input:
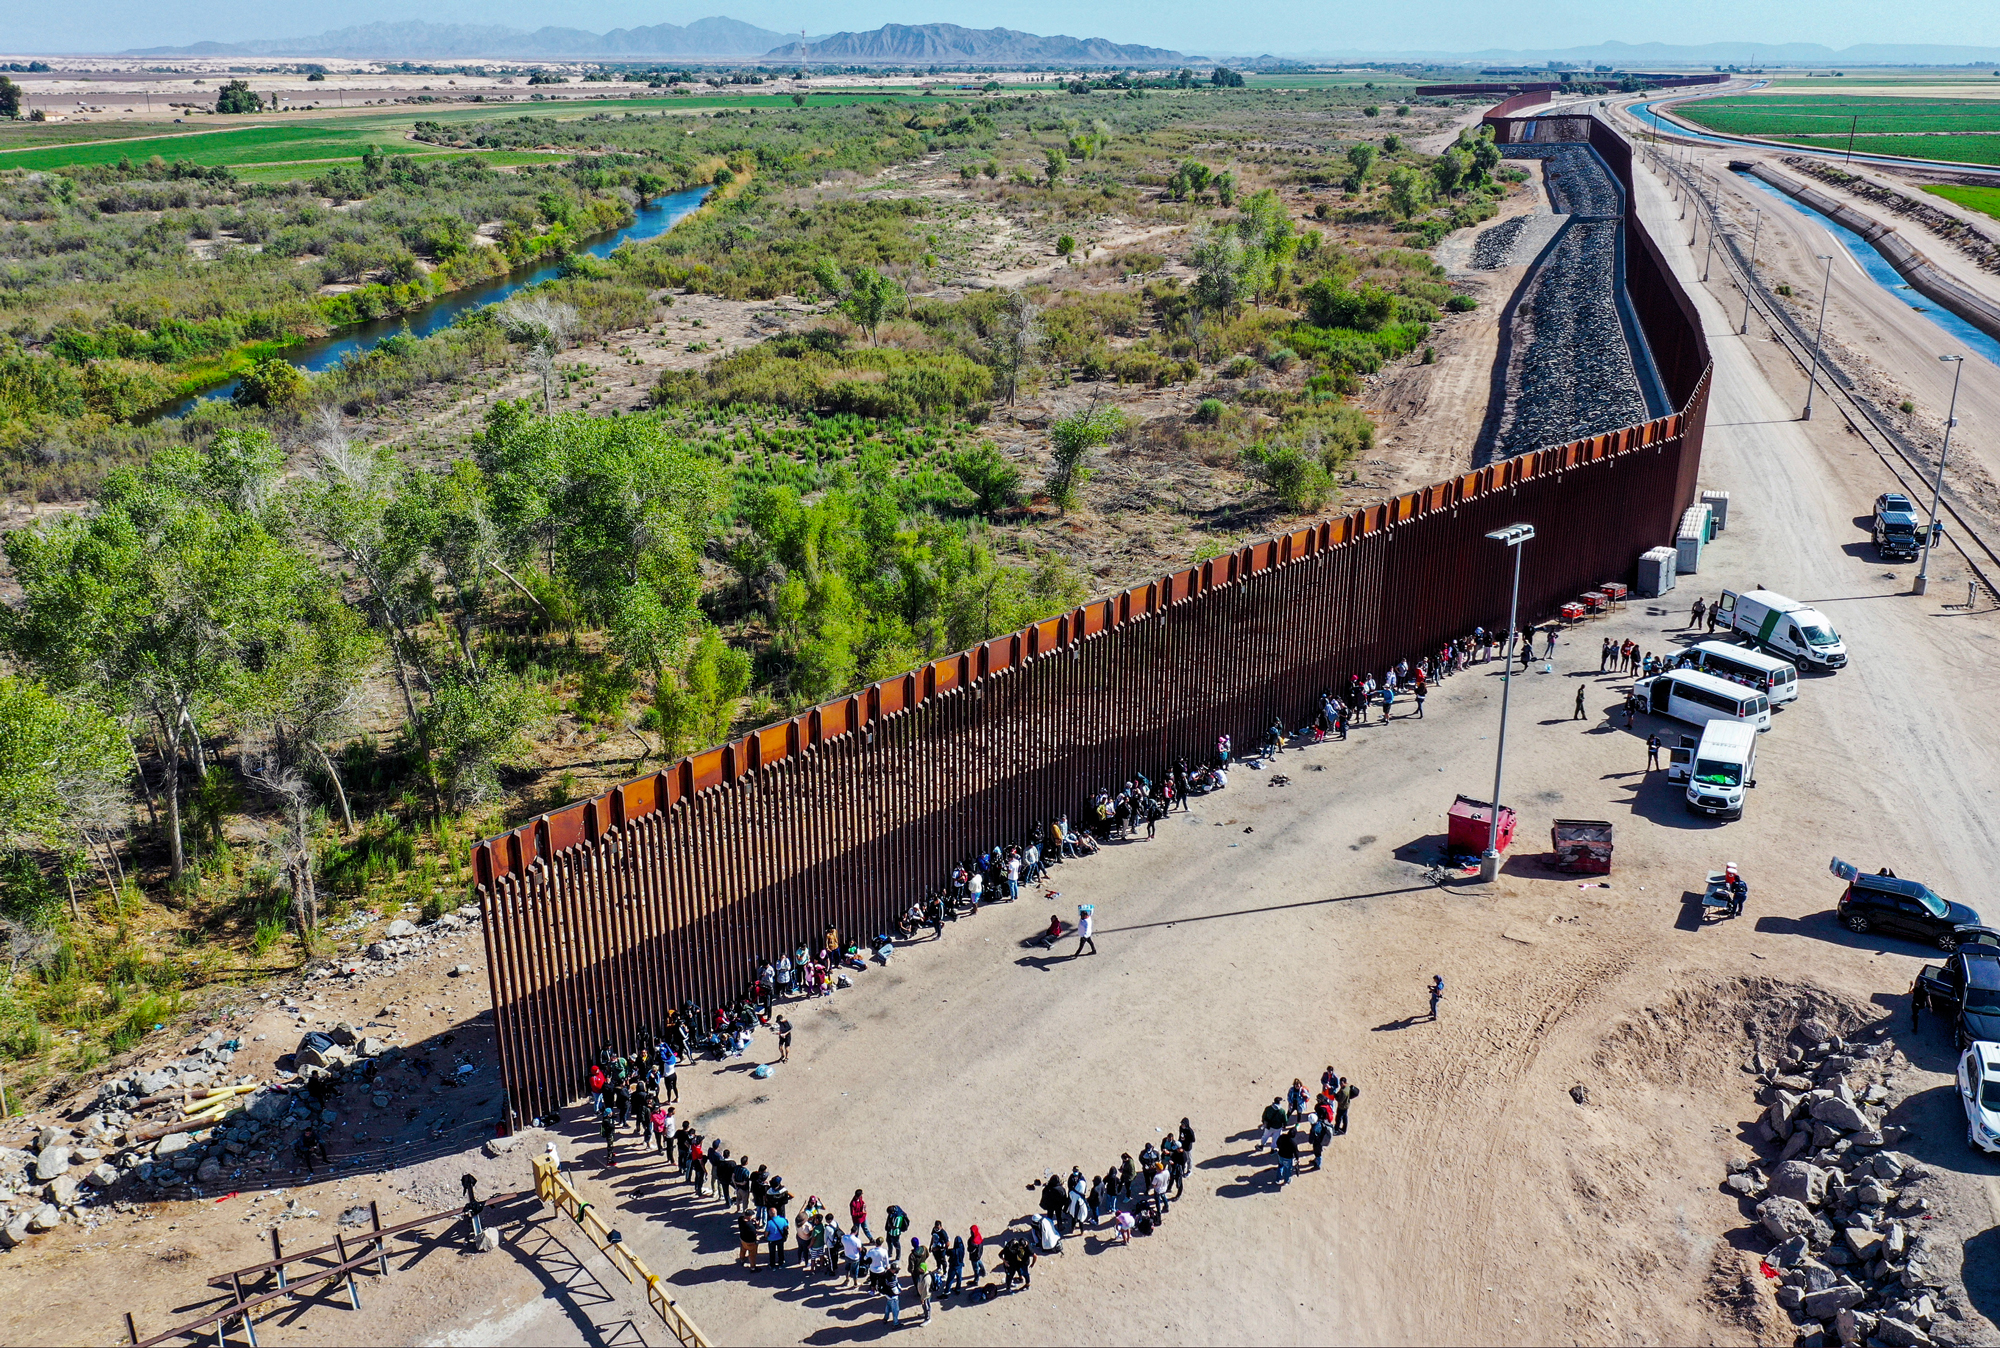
{"type": "Point", "coordinates": [1897, 534]}
{"type": "Point", "coordinates": [1898, 907]}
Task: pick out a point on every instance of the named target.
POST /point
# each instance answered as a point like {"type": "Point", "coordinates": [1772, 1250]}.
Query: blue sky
{"type": "Point", "coordinates": [1455, 25]}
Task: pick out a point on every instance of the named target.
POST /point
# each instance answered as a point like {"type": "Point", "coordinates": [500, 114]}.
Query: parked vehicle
{"type": "Point", "coordinates": [1784, 626]}
{"type": "Point", "coordinates": [1898, 536]}
{"type": "Point", "coordinates": [1697, 698]}
{"type": "Point", "coordinates": [1964, 991]}
{"type": "Point", "coordinates": [1776, 679]}
{"type": "Point", "coordinates": [1680, 758]}
{"type": "Point", "coordinates": [1898, 907]}
{"type": "Point", "coordinates": [1979, 1093]}
{"type": "Point", "coordinates": [1725, 766]}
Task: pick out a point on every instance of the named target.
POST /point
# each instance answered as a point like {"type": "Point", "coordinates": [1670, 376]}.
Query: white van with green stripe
{"type": "Point", "coordinates": [1785, 626]}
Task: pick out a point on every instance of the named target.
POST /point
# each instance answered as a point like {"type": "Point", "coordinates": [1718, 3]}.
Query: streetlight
{"type": "Point", "coordinates": [1513, 536]}
{"type": "Point", "coordinates": [1812, 381]}
{"type": "Point", "coordinates": [1937, 487]}
{"type": "Point", "coordinates": [1750, 271]}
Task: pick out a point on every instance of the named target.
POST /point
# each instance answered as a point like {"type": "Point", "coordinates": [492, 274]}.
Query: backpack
{"type": "Point", "coordinates": [1143, 1227]}
{"type": "Point", "coordinates": [899, 1221]}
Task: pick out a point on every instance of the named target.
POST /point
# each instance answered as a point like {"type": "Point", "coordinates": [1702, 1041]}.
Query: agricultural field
{"type": "Point", "coordinates": [1960, 130]}
{"type": "Point", "coordinates": [1985, 200]}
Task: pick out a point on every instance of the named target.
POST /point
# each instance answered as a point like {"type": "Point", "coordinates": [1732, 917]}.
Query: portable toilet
{"type": "Point", "coordinates": [1718, 506]}
{"type": "Point", "coordinates": [1694, 534]}
{"type": "Point", "coordinates": [1657, 568]}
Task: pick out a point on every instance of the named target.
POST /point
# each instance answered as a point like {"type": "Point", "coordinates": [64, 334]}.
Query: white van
{"type": "Point", "coordinates": [1697, 698]}
{"type": "Point", "coordinates": [1785, 626]}
{"type": "Point", "coordinates": [1776, 679]}
{"type": "Point", "coordinates": [1725, 765]}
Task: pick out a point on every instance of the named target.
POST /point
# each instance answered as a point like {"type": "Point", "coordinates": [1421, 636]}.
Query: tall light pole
{"type": "Point", "coordinates": [1812, 381]}
{"type": "Point", "coordinates": [1937, 487]}
{"type": "Point", "coordinates": [1513, 536]}
{"type": "Point", "coordinates": [1750, 271]}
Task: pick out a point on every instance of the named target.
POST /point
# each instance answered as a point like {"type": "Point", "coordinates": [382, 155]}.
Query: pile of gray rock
{"type": "Point", "coordinates": [402, 943]}
{"type": "Point", "coordinates": [1843, 1209]}
{"type": "Point", "coordinates": [71, 1171]}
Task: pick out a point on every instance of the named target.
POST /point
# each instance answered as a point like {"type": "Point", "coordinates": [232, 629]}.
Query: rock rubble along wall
{"type": "Point", "coordinates": [1572, 369]}
{"type": "Point", "coordinates": [601, 917]}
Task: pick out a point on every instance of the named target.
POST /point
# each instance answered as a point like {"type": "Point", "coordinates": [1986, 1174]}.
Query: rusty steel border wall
{"type": "Point", "coordinates": [602, 916]}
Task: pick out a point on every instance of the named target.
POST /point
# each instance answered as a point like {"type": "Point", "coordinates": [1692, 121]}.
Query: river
{"type": "Point", "coordinates": [653, 219]}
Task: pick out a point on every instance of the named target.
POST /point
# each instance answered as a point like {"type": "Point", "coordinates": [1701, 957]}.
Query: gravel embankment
{"type": "Point", "coordinates": [1572, 373]}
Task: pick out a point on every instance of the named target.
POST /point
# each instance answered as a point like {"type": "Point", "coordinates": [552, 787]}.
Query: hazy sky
{"type": "Point", "coordinates": [1468, 25]}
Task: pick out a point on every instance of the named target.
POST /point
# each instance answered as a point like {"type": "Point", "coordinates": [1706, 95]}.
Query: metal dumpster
{"type": "Point", "coordinates": [1582, 846]}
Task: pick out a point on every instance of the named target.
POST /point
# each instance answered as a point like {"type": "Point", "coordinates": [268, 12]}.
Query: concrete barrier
{"type": "Point", "coordinates": [1922, 274]}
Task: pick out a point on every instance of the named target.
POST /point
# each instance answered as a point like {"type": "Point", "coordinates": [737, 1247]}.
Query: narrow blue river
{"type": "Point", "coordinates": [1644, 112]}
{"type": "Point", "coordinates": [653, 219]}
{"type": "Point", "coordinates": [1959, 334]}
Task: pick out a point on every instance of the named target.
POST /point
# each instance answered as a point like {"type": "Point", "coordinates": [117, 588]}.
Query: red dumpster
{"type": "Point", "coordinates": [1468, 824]}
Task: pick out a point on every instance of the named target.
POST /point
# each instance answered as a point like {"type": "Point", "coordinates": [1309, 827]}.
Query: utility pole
{"type": "Point", "coordinates": [1852, 122]}
{"type": "Point", "coordinates": [1513, 536]}
{"type": "Point", "coordinates": [1812, 383]}
{"type": "Point", "coordinates": [1937, 488]}
{"type": "Point", "coordinates": [1750, 271]}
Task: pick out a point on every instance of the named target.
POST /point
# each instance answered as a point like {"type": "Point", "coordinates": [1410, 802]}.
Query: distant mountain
{"type": "Point", "coordinates": [934, 43]}
{"type": "Point", "coordinates": [417, 41]}
{"type": "Point", "coordinates": [1643, 55]}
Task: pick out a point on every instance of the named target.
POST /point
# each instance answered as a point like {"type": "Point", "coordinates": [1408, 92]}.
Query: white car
{"type": "Point", "coordinates": [1979, 1092]}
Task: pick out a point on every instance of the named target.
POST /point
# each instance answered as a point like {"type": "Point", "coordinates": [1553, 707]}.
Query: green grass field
{"type": "Point", "coordinates": [1789, 116]}
{"type": "Point", "coordinates": [1985, 200]}
{"type": "Point", "coordinates": [283, 138]}
{"type": "Point", "coordinates": [1957, 130]}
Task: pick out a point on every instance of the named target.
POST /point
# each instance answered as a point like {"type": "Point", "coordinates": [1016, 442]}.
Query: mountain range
{"type": "Point", "coordinates": [894, 44]}
{"type": "Point", "coordinates": [420, 41]}
{"type": "Point", "coordinates": [924, 43]}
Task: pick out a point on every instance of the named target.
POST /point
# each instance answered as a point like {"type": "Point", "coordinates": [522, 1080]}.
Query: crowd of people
{"type": "Point", "coordinates": [1324, 1114]}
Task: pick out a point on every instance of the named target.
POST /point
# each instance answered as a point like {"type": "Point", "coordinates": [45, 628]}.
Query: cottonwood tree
{"type": "Point", "coordinates": [1071, 440]}
{"type": "Point", "coordinates": [863, 294]}
{"type": "Point", "coordinates": [63, 764]}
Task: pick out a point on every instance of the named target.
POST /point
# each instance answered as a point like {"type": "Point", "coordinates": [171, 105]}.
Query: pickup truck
{"type": "Point", "coordinates": [1965, 989]}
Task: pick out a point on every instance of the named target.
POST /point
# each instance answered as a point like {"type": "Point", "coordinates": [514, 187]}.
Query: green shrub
{"type": "Point", "coordinates": [994, 481]}
{"type": "Point", "coordinates": [1461, 304]}
{"type": "Point", "coordinates": [1296, 478]}
{"type": "Point", "coordinates": [1208, 411]}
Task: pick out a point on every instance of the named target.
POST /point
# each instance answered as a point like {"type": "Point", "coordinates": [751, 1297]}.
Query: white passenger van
{"type": "Point", "coordinates": [1785, 626]}
{"type": "Point", "coordinates": [1725, 764]}
{"type": "Point", "coordinates": [1776, 679]}
{"type": "Point", "coordinates": [1697, 698]}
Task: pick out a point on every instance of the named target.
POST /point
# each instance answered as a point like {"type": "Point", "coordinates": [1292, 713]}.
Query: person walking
{"type": "Point", "coordinates": [1187, 1142]}
{"type": "Point", "coordinates": [1086, 923]}
{"type": "Point", "coordinates": [1714, 613]}
{"type": "Point", "coordinates": [857, 1213]}
{"type": "Point", "coordinates": [1295, 1100]}
{"type": "Point", "coordinates": [1437, 993]}
{"type": "Point", "coordinates": [1652, 751]}
{"type": "Point", "coordinates": [1700, 607]}
{"type": "Point", "coordinates": [784, 1040]}
{"type": "Point", "coordinates": [1423, 691]}
{"type": "Point", "coordinates": [608, 1129]}
{"type": "Point", "coordinates": [1577, 715]}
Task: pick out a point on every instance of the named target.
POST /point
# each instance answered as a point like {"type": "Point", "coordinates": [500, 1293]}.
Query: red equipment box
{"type": "Point", "coordinates": [1595, 600]}
{"type": "Point", "coordinates": [1613, 591]}
{"type": "Point", "coordinates": [1572, 612]}
{"type": "Point", "coordinates": [1468, 824]}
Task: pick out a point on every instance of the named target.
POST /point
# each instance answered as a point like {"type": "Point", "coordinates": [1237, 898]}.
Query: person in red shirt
{"type": "Point", "coordinates": [857, 1211]}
